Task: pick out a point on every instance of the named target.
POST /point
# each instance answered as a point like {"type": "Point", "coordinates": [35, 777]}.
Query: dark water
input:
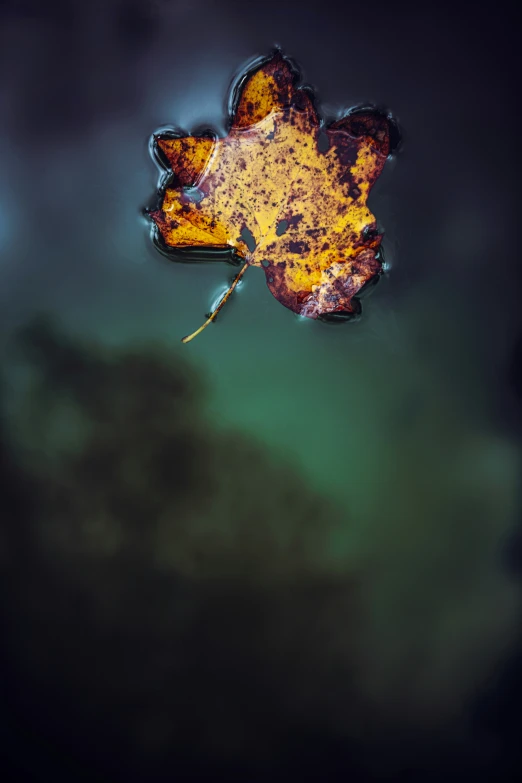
{"type": "Point", "coordinates": [289, 547]}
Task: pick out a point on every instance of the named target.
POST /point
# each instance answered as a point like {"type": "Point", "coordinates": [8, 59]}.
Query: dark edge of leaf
{"type": "Point", "coordinates": [363, 293]}
{"type": "Point", "coordinates": [394, 127]}
{"type": "Point", "coordinates": [343, 316]}
{"type": "Point", "coordinates": [196, 255]}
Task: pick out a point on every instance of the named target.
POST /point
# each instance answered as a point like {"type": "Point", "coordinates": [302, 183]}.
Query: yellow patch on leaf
{"type": "Point", "coordinates": [287, 193]}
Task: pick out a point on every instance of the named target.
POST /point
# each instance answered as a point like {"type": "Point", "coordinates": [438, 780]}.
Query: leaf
{"type": "Point", "coordinates": [286, 192]}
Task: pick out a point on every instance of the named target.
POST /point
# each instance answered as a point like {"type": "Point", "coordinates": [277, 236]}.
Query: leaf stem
{"type": "Point", "coordinates": [211, 317]}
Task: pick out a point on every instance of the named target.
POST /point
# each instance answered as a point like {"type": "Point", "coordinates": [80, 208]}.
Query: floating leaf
{"type": "Point", "coordinates": [285, 192]}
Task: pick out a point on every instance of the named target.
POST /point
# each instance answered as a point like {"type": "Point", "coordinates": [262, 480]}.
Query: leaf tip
{"type": "Point", "coordinates": [155, 215]}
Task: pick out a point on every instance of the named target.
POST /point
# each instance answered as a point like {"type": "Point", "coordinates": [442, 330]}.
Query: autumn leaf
{"type": "Point", "coordinates": [283, 190]}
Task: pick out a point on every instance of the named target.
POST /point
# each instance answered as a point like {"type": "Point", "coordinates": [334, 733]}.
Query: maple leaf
{"type": "Point", "coordinates": [286, 192]}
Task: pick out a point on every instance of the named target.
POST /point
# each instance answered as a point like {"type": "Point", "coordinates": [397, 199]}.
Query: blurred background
{"type": "Point", "coordinates": [288, 549]}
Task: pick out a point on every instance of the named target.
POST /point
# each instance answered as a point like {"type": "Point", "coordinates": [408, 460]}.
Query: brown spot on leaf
{"type": "Point", "coordinates": [298, 247]}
